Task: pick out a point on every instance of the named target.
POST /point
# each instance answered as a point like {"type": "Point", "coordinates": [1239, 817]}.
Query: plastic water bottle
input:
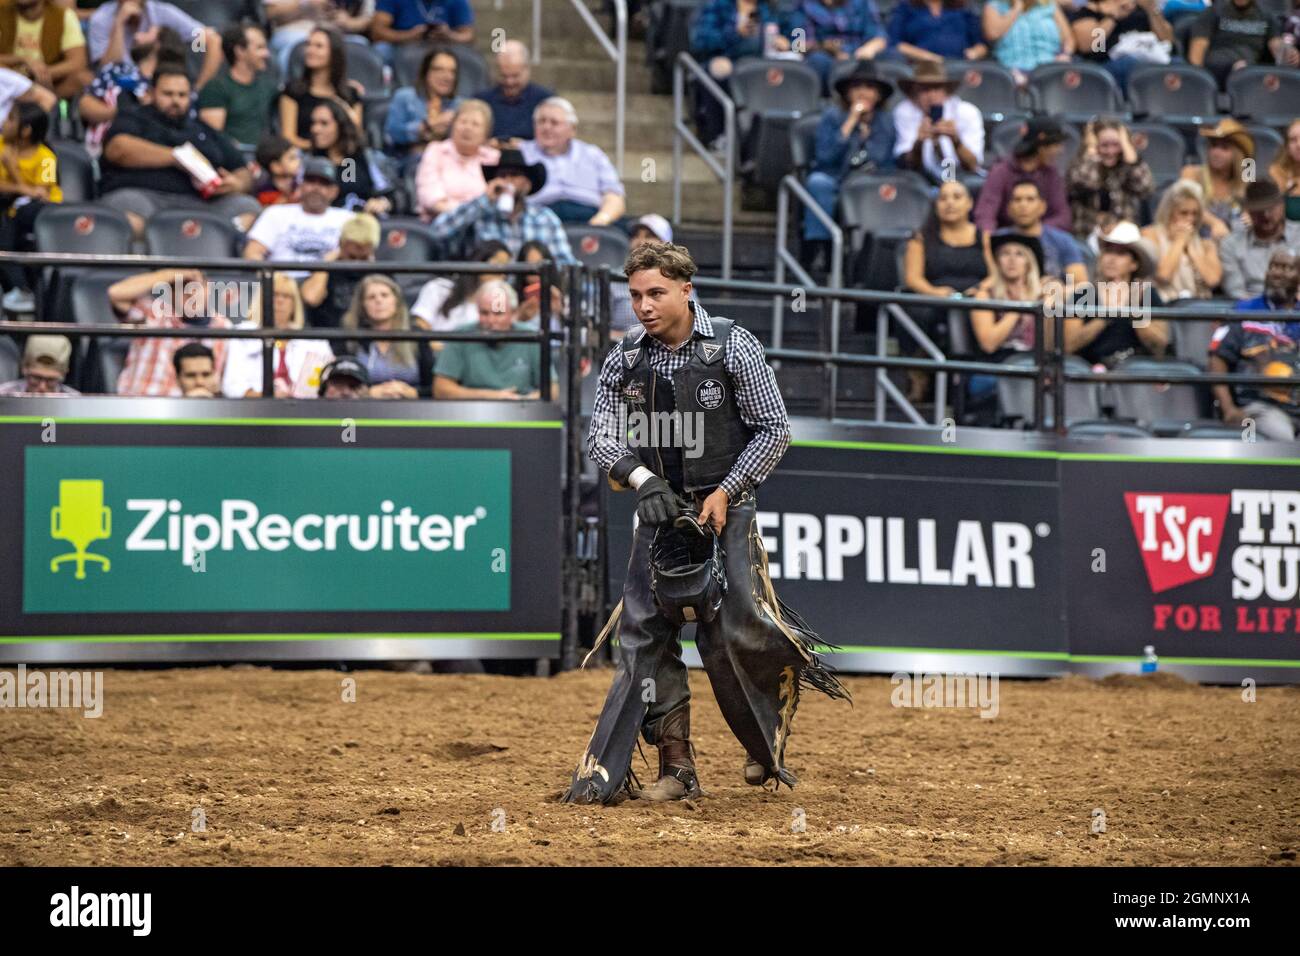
{"type": "Point", "coordinates": [1284, 48]}
{"type": "Point", "coordinates": [770, 31]}
{"type": "Point", "coordinates": [1149, 660]}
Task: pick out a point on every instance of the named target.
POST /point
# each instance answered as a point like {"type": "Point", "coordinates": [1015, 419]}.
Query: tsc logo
{"type": "Point", "coordinates": [1178, 534]}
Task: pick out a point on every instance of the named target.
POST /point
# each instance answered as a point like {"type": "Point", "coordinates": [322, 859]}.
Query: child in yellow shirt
{"type": "Point", "coordinates": [28, 182]}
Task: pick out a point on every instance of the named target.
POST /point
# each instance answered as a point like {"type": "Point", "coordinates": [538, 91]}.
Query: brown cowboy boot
{"type": "Point", "coordinates": [677, 780]}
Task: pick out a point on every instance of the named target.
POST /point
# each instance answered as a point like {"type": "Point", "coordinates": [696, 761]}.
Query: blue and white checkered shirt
{"type": "Point", "coordinates": [757, 396]}
{"type": "Point", "coordinates": [535, 223]}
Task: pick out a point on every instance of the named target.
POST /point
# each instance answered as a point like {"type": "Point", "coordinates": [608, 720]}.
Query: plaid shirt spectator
{"type": "Point", "coordinates": [757, 395]}
{"type": "Point", "coordinates": [148, 369]}
{"type": "Point", "coordinates": [1095, 188]}
{"type": "Point", "coordinates": [481, 218]}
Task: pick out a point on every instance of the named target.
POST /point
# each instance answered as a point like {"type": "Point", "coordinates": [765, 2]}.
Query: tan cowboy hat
{"type": "Point", "coordinates": [1128, 236]}
{"type": "Point", "coordinates": [1230, 129]}
{"type": "Point", "coordinates": [928, 73]}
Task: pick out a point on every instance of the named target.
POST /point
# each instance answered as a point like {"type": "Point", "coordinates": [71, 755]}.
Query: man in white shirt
{"type": "Point", "coordinates": [938, 133]}
{"type": "Point", "coordinates": [305, 231]}
{"type": "Point", "coordinates": [16, 88]}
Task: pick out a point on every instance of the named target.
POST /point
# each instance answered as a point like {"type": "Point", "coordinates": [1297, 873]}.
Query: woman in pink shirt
{"type": "Point", "coordinates": [451, 170]}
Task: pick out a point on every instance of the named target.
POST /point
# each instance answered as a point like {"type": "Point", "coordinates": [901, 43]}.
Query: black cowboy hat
{"type": "Point", "coordinates": [512, 160]}
{"type": "Point", "coordinates": [864, 74]}
{"type": "Point", "coordinates": [1000, 239]}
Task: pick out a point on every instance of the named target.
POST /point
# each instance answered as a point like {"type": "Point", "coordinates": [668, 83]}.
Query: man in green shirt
{"type": "Point", "coordinates": [238, 100]}
{"type": "Point", "coordinates": [509, 370]}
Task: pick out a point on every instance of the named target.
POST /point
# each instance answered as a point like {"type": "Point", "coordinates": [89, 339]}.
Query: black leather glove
{"type": "Point", "coordinates": [656, 503]}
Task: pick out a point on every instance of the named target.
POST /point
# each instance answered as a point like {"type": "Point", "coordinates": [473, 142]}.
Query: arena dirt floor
{"type": "Point", "coordinates": [417, 770]}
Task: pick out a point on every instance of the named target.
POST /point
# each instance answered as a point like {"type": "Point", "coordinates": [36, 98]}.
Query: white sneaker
{"type": "Point", "coordinates": [19, 300]}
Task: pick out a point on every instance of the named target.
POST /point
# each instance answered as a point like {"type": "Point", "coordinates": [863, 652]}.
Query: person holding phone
{"type": "Point", "coordinates": [939, 134]}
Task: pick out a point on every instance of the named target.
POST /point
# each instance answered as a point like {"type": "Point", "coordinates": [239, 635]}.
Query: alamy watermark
{"type": "Point", "coordinates": [76, 690]}
{"type": "Point", "coordinates": [1102, 299]}
{"type": "Point", "coordinates": [663, 430]}
{"type": "Point", "coordinates": [946, 690]}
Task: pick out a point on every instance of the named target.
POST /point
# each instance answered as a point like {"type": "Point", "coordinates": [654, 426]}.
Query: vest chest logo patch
{"type": "Point", "coordinates": [709, 394]}
{"type": "Point", "coordinates": [630, 356]}
{"type": "Point", "coordinates": [634, 393]}
{"type": "Point", "coordinates": [710, 350]}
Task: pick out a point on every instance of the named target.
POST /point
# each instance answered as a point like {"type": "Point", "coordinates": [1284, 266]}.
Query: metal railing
{"type": "Point", "coordinates": [1048, 367]}
{"type": "Point", "coordinates": [726, 170]}
{"type": "Point", "coordinates": [790, 186]}
{"type": "Point", "coordinates": [616, 50]}
{"type": "Point", "coordinates": [268, 334]}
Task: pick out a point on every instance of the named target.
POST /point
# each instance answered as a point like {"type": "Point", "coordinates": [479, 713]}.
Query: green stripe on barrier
{"type": "Point", "coordinates": [221, 638]}
{"type": "Point", "coordinates": [1031, 453]}
{"type": "Point", "coordinates": [322, 422]}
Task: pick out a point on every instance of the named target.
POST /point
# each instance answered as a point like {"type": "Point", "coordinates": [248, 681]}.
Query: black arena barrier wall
{"type": "Point", "coordinates": [174, 530]}
{"type": "Point", "coordinates": [1027, 554]}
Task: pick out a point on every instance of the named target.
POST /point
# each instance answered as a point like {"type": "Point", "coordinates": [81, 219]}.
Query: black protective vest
{"type": "Point", "coordinates": [703, 390]}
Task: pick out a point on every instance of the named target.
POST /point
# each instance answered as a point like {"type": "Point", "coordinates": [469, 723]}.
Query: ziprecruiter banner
{"type": "Point", "coordinates": [197, 532]}
{"type": "Point", "coordinates": [128, 528]}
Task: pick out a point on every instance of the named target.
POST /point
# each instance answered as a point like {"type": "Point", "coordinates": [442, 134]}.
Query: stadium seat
{"type": "Point", "coordinates": [783, 86]}
{"type": "Point", "coordinates": [407, 58]}
{"type": "Point", "coordinates": [1016, 395]}
{"type": "Point", "coordinates": [77, 171]}
{"type": "Point", "coordinates": [196, 233]}
{"type": "Point", "coordinates": [90, 306]}
{"type": "Point", "coordinates": [406, 240]}
{"type": "Point", "coordinates": [1164, 408]}
{"type": "Point", "coordinates": [82, 228]}
{"type": "Point", "coordinates": [598, 246]}
{"type": "Point", "coordinates": [11, 359]}
{"type": "Point", "coordinates": [773, 156]}
{"type": "Point", "coordinates": [76, 229]}
{"type": "Point", "coordinates": [886, 205]}
{"type": "Point", "coordinates": [1175, 93]}
{"type": "Point", "coordinates": [803, 142]}
{"type": "Point", "coordinates": [1266, 94]}
{"type": "Point", "coordinates": [990, 86]}
{"type": "Point", "coordinates": [1074, 92]}
{"type": "Point", "coordinates": [1106, 429]}
{"type": "Point", "coordinates": [1191, 340]}
{"type": "Point", "coordinates": [1009, 132]}
{"type": "Point", "coordinates": [1163, 148]}
{"type": "Point", "coordinates": [376, 115]}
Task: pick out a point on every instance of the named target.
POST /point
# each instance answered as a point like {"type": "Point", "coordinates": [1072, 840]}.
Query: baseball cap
{"type": "Point", "coordinates": [345, 367]}
{"type": "Point", "coordinates": [53, 350]}
{"type": "Point", "coordinates": [658, 225]}
{"type": "Point", "coordinates": [318, 167]}
{"type": "Point", "coordinates": [362, 227]}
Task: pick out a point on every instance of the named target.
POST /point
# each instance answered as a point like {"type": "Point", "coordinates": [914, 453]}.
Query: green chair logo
{"type": "Point", "coordinates": [80, 519]}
